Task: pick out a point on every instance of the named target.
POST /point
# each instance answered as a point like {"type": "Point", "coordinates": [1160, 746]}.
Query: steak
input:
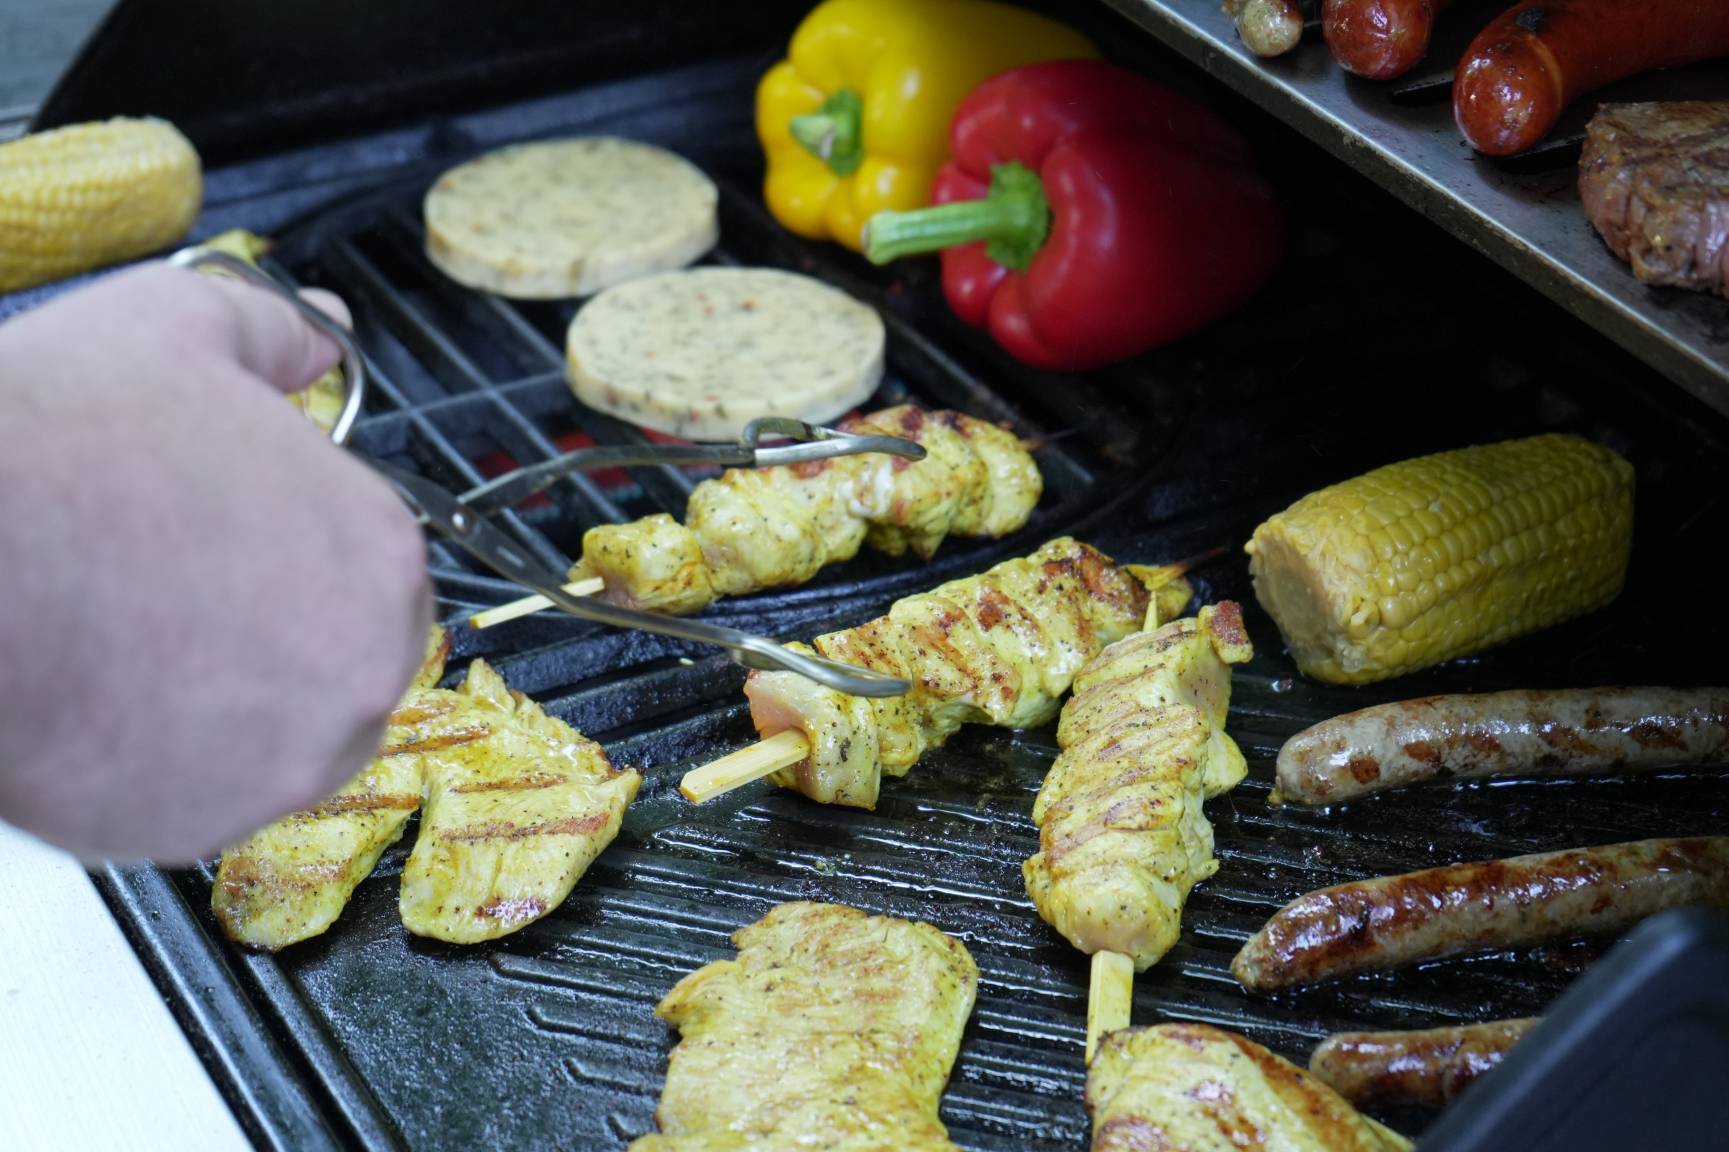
{"type": "Point", "coordinates": [1655, 182]}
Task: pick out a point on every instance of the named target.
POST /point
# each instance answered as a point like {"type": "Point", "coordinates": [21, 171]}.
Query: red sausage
{"type": "Point", "coordinates": [1391, 921]}
{"type": "Point", "coordinates": [1379, 39]}
{"type": "Point", "coordinates": [1563, 732]}
{"type": "Point", "coordinates": [1537, 57]}
{"type": "Point", "coordinates": [1428, 1068]}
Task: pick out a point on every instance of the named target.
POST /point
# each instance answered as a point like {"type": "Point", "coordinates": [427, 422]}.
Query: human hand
{"type": "Point", "coordinates": [207, 611]}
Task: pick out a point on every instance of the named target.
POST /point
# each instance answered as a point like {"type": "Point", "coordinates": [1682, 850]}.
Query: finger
{"type": "Point", "coordinates": [330, 304]}
{"type": "Point", "coordinates": [273, 340]}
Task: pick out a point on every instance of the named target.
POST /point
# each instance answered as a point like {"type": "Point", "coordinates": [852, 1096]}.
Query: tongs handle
{"type": "Point", "coordinates": [815, 442]}
{"type": "Point", "coordinates": [470, 530]}
{"type": "Point", "coordinates": [353, 363]}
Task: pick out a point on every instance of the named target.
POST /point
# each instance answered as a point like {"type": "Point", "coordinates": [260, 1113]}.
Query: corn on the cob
{"type": "Point", "coordinates": [1431, 559]}
{"type": "Point", "coordinates": [77, 198]}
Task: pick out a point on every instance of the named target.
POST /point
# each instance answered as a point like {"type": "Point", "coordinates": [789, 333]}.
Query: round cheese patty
{"type": "Point", "coordinates": [700, 354]}
{"type": "Point", "coordinates": [568, 217]}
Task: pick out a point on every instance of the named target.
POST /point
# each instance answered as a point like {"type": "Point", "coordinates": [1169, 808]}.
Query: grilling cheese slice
{"type": "Point", "coordinates": [701, 353]}
{"type": "Point", "coordinates": [568, 217]}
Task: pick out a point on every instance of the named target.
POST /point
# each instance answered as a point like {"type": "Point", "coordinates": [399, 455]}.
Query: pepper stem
{"type": "Point", "coordinates": [833, 135]}
{"type": "Point", "coordinates": [1013, 219]}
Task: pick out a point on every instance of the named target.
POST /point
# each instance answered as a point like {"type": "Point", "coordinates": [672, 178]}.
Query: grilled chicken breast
{"type": "Point", "coordinates": [832, 1030]}
{"type": "Point", "coordinates": [1202, 1089]}
{"type": "Point", "coordinates": [1122, 838]}
{"type": "Point", "coordinates": [518, 804]}
{"type": "Point", "coordinates": [755, 528]}
{"type": "Point", "coordinates": [998, 648]}
{"type": "Point", "coordinates": [290, 880]}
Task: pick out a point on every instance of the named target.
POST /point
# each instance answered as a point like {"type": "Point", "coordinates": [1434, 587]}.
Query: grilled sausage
{"type": "Point", "coordinates": [1379, 39]}
{"type": "Point", "coordinates": [1539, 56]}
{"type": "Point", "coordinates": [1428, 1068]}
{"type": "Point", "coordinates": [1570, 732]}
{"type": "Point", "coordinates": [1396, 920]}
{"type": "Point", "coordinates": [1268, 27]}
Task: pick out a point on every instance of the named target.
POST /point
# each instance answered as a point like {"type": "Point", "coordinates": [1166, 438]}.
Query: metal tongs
{"type": "Point", "coordinates": [353, 363]}
{"type": "Point", "coordinates": [813, 442]}
{"type": "Point", "coordinates": [463, 518]}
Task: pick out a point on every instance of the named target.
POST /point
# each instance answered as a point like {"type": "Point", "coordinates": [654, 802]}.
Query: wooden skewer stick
{"type": "Point", "coordinates": [765, 757]}
{"type": "Point", "coordinates": [1110, 997]}
{"type": "Point", "coordinates": [529, 605]}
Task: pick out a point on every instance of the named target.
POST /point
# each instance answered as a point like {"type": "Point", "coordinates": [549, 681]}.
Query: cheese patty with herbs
{"type": "Point", "coordinates": [568, 217]}
{"type": "Point", "coordinates": [701, 353]}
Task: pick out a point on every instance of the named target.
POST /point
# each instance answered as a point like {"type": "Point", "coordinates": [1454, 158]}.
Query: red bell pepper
{"type": "Point", "coordinates": [1089, 214]}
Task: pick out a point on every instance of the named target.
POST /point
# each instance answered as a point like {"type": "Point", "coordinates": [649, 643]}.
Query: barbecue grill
{"type": "Point", "coordinates": [1383, 338]}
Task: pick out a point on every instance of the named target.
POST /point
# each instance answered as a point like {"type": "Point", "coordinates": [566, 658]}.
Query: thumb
{"type": "Point", "coordinates": [274, 341]}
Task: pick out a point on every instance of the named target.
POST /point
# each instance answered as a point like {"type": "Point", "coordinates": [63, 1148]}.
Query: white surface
{"type": "Point", "coordinates": [90, 1059]}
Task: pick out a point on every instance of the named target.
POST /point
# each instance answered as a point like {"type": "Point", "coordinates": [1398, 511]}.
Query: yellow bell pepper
{"type": "Point", "coordinates": [856, 120]}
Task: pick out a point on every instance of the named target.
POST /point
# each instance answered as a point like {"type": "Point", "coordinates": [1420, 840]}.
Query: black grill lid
{"type": "Point", "coordinates": [253, 76]}
{"type": "Point", "coordinates": [1652, 1019]}
{"type": "Point", "coordinates": [365, 1037]}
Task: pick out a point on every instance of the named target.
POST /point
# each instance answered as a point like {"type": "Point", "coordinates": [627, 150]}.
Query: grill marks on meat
{"type": "Point", "coordinates": [1428, 1068]}
{"type": "Point", "coordinates": [831, 1029]}
{"type": "Point", "coordinates": [999, 648]}
{"type": "Point", "coordinates": [290, 880]}
{"type": "Point", "coordinates": [1122, 837]}
{"type": "Point", "coordinates": [1202, 1089]}
{"type": "Point", "coordinates": [512, 820]}
{"type": "Point", "coordinates": [517, 802]}
{"type": "Point", "coordinates": [1439, 912]}
{"type": "Point", "coordinates": [756, 528]}
{"type": "Point", "coordinates": [1654, 179]}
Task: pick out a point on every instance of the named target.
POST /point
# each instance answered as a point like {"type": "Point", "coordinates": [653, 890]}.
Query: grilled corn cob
{"type": "Point", "coordinates": [77, 198]}
{"type": "Point", "coordinates": [1434, 558]}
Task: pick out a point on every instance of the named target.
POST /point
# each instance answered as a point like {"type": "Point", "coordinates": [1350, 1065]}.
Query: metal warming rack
{"type": "Point", "coordinates": [1524, 213]}
{"type": "Point", "coordinates": [366, 1037]}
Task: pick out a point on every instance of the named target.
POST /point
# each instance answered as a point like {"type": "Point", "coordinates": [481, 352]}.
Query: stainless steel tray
{"type": "Point", "coordinates": [1523, 213]}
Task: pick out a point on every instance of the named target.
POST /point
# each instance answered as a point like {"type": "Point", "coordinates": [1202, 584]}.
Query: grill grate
{"type": "Point", "coordinates": [547, 1039]}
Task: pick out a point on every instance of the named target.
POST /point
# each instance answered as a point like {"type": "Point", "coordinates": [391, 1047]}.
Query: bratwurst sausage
{"type": "Point", "coordinates": [1379, 39]}
{"type": "Point", "coordinates": [1567, 732]}
{"type": "Point", "coordinates": [1395, 920]}
{"type": "Point", "coordinates": [1537, 57]}
{"type": "Point", "coordinates": [1427, 1069]}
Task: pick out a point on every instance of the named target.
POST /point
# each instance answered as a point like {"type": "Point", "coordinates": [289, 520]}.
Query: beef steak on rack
{"type": "Point", "coordinates": [1655, 182]}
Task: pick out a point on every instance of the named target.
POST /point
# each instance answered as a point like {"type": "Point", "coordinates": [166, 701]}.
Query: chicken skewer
{"type": "Point", "coordinates": [1122, 837]}
{"type": "Point", "coordinates": [756, 528]}
{"type": "Point", "coordinates": [998, 648]}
